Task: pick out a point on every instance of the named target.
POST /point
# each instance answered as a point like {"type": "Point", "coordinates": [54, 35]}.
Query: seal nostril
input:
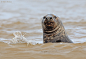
{"type": "Point", "coordinates": [50, 17]}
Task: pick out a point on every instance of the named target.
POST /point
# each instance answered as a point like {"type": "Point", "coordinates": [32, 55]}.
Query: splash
{"type": "Point", "coordinates": [19, 38]}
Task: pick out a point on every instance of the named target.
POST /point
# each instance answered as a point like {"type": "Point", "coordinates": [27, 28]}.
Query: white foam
{"type": "Point", "coordinates": [19, 38]}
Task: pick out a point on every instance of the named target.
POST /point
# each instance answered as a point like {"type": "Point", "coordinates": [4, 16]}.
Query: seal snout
{"type": "Point", "coordinates": [48, 21]}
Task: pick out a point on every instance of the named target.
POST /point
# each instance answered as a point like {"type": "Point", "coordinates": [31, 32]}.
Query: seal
{"type": "Point", "coordinates": [53, 30]}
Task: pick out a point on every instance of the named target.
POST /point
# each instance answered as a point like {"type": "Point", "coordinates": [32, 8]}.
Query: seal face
{"type": "Point", "coordinates": [53, 30]}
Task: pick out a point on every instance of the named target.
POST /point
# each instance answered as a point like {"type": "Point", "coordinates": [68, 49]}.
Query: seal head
{"type": "Point", "coordinates": [49, 22]}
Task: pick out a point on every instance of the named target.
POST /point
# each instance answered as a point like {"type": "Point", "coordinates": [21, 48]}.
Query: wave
{"type": "Point", "coordinates": [19, 38]}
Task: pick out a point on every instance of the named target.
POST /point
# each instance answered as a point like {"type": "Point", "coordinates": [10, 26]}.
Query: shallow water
{"type": "Point", "coordinates": [26, 16]}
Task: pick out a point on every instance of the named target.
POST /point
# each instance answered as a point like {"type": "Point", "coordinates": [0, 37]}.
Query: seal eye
{"type": "Point", "coordinates": [55, 17]}
{"type": "Point", "coordinates": [44, 17]}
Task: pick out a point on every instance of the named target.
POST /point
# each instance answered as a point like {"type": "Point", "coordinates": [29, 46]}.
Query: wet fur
{"type": "Point", "coordinates": [56, 33]}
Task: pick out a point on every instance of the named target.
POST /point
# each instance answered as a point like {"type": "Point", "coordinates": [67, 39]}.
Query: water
{"type": "Point", "coordinates": [26, 15]}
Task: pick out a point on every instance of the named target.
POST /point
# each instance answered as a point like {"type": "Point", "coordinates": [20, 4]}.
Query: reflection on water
{"type": "Point", "coordinates": [26, 15]}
